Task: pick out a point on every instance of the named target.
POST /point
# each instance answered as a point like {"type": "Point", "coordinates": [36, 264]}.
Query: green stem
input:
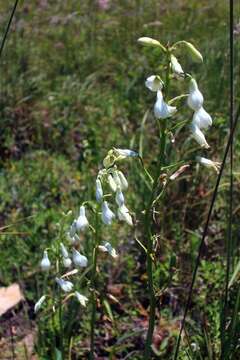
{"type": "Point", "coordinates": [93, 287]}
{"type": "Point", "coordinates": [148, 228]}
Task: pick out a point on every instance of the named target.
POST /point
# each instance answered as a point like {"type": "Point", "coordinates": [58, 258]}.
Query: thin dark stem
{"type": "Point", "coordinates": [231, 135]}
{"type": "Point", "coordinates": [8, 27]}
{"type": "Point", "coordinates": [229, 234]}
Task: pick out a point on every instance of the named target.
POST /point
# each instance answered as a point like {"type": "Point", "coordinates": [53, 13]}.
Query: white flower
{"type": "Point", "coordinates": [82, 221]}
{"type": "Point", "coordinates": [176, 67]}
{"type": "Point", "coordinates": [63, 251]}
{"type": "Point", "coordinates": [123, 214]}
{"type": "Point", "coordinates": [123, 180]}
{"type": "Point", "coordinates": [107, 214]}
{"type": "Point", "coordinates": [99, 191]}
{"type": "Point", "coordinates": [81, 298]}
{"type": "Point", "coordinates": [78, 259]}
{"type": "Point", "coordinates": [67, 262]}
{"type": "Point", "coordinates": [112, 183]}
{"type": "Point", "coordinates": [39, 303]}
{"type": "Point", "coordinates": [107, 247]}
{"type": "Point", "coordinates": [119, 197]}
{"type": "Point", "coordinates": [202, 119]}
{"type": "Point", "coordinates": [45, 262]}
{"type": "Point", "coordinates": [209, 163]}
{"type": "Point", "coordinates": [154, 83]}
{"type": "Point", "coordinates": [64, 285]}
{"type": "Point", "coordinates": [161, 109]}
{"type": "Point", "coordinates": [195, 97]}
{"type": "Point", "coordinates": [199, 136]}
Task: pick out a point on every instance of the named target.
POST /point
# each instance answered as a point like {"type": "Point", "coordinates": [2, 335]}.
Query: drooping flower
{"type": "Point", "coordinates": [161, 109]}
{"type": "Point", "coordinates": [209, 163]}
{"type": "Point", "coordinates": [116, 178]}
{"type": "Point", "coordinates": [39, 303]}
{"type": "Point", "coordinates": [82, 221]}
{"type": "Point", "coordinates": [107, 247]}
{"type": "Point", "coordinates": [202, 119]}
{"type": "Point", "coordinates": [63, 250]}
{"type": "Point", "coordinates": [99, 191]}
{"type": "Point", "coordinates": [124, 215]}
{"type": "Point", "coordinates": [199, 136]}
{"type": "Point", "coordinates": [154, 83]}
{"type": "Point", "coordinates": [176, 67]}
{"type": "Point", "coordinates": [112, 183]}
{"type": "Point", "coordinates": [78, 259]}
{"type": "Point", "coordinates": [126, 152]}
{"type": "Point", "coordinates": [123, 180]}
{"type": "Point", "coordinates": [119, 197]}
{"type": "Point", "coordinates": [45, 262]}
{"type": "Point", "coordinates": [195, 97]}
{"type": "Point", "coordinates": [66, 286]}
{"type": "Point", "coordinates": [107, 214]}
{"type": "Point", "coordinates": [67, 262]}
{"type": "Point", "coordinates": [81, 298]}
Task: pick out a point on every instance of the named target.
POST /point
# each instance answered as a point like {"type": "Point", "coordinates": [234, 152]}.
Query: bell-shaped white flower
{"type": "Point", "coordinates": [66, 286]}
{"type": "Point", "coordinates": [119, 197]}
{"type": "Point", "coordinates": [202, 119]}
{"type": "Point", "coordinates": [82, 221]}
{"type": "Point", "coordinates": [195, 97]}
{"type": "Point", "coordinates": [161, 109]}
{"type": "Point", "coordinates": [67, 262]}
{"type": "Point", "coordinates": [107, 247]}
{"type": "Point", "coordinates": [81, 298]}
{"type": "Point", "coordinates": [39, 303]}
{"type": "Point", "coordinates": [199, 136]}
{"type": "Point", "coordinates": [123, 214]}
{"type": "Point", "coordinates": [99, 191]}
{"type": "Point", "coordinates": [107, 214]}
{"type": "Point", "coordinates": [112, 183]}
{"type": "Point", "coordinates": [63, 250]}
{"type": "Point", "coordinates": [154, 83]}
{"type": "Point", "coordinates": [176, 67]}
{"type": "Point", "coordinates": [209, 163]}
{"type": "Point", "coordinates": [78, 259]}
{"type": "Point", "coordinates": [45, 262]}
{"type": "Point", "coordinates": [126, 152]}
{"type": "Point", "coordinates": [123, 180]}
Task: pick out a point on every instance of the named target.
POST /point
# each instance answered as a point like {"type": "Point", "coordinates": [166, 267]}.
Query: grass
{"type": "Point", "coordinates": [72, 86]}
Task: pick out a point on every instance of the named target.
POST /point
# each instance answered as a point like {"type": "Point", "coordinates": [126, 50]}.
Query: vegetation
{"type": "Point", "coordinates": [71, 89]}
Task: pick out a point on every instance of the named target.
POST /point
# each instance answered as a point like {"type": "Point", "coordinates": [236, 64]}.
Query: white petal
{"type": "Point", "coordinates": [202, 119]}
{"type": "Point", "coordinates": [195, 97]}
{"type": "Point", "coordinates": [199, 136]}
{"type": "Point", "coordinates": [154, 83]}
{"type": "Point", "coordinates": [123, 214]}
{"type": "Point", "coordinates": [78, 259]}
{"type": "Point", "coordinates": [161, 109]}
{"type": "Point", "coordinates": [107, 214]}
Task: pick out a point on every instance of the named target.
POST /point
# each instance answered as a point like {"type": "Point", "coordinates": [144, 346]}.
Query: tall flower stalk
{"type": "Point", "coordinates": [163, 112]}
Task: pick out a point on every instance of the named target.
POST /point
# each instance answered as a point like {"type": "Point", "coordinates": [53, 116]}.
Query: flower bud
{"type": "Point", "coordinates": [112, 183]}
{"type": "Point", "coordinates": [107, 247]}
{"type": "Point", "coordinates": [147, 41]}
{"type": "Point", "coordinates": [78, 259]}
{"type": "Point", "coordinates": [107, 214]}
{"type": "Point", "coordinates": [82, 221]}
{"type": "Point", "coordinates": [81, 298]}
{"type": "Point", "coordinates": [73, 228]}
{"type": "Point", "coordinates": [99, 191]}
{"type": "Point", "coordinates": [154, 83]}
{"type": "Point", "coordinates": [161, 109]}
{"type": "Point", "coordinates": [39, 303]}
{"type": "Point", "coordinates": [123, 214]}
{"type": "Point", "coordinates": [45, 262]}
{"type": "Point", "coordinates": [176, 67]}
{"type": "Point", "coordinates": [66, 286]}
{"type": "Point", "coordinates": [126, 153]}
{"type": "Point", "coordinates": [123, 180]}
{"type": "Point", "coordinates": [63, 250]}
{"type": "Point", "coordinates": [119, 197]}
{"type": "Point", "coordinates": [67, 262]}
{"type": "Point", "coordinates": [195, 97]}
